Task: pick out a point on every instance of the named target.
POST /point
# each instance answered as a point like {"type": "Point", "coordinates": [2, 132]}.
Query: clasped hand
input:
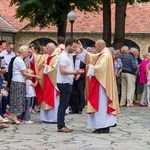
{"type": "Point", "coordinates": [80, 71]}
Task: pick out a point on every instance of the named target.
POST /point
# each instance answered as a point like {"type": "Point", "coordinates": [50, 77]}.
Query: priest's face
{"type": "Point", "coordinates": [98, 47]}
{"type": "Point", "coordinates": [48, 49]}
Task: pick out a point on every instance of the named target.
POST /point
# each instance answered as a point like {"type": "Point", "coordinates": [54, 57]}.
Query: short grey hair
{"type": "Point", "coordinates": [52, 45]}
{"type": "Point", "coordinates": [124, 48]}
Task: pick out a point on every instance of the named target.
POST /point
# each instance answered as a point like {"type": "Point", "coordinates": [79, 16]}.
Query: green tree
{"type": "Point", "coordinates": [43, 13]}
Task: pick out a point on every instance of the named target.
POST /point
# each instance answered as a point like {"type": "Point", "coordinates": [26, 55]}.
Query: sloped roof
{"type": "Point", "coordinates": [5, 26]}
{"type": "Point", "coordinates": [137, 19]}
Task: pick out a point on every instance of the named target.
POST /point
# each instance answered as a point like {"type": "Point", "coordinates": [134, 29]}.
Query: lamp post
{"type": "Point", "coordinates": [71, 17]}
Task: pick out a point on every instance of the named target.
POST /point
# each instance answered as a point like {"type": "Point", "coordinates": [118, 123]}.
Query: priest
{"type": "Point", "coordinates": [102, 105]}
{"type": "Point", "coordinates": [46, 66]}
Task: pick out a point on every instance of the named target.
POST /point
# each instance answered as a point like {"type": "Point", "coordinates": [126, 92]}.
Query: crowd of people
{"type": "Point", "coordinates": [61, 79]}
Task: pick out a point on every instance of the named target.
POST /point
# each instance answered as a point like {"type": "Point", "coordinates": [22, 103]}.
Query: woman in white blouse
{"type": "Point", "coordinates": [17, 88]}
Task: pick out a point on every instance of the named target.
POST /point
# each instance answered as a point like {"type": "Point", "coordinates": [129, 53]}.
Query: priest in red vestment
{"type": "Point", "coordinates": [102, 105]}
{"type": "Point", "coordinates": [46, 66]}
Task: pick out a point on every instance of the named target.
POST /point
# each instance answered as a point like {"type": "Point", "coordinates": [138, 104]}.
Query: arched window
{"type": "Point", "coordinates": [87, 42]}
{"type": "Point", "coordinates": [130, 44]}
{"type": "Point", "coordinates": [43, 41]}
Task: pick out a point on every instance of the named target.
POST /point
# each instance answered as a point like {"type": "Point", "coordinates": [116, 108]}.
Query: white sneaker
{"type": "Point", "coordinates": [29, 122]}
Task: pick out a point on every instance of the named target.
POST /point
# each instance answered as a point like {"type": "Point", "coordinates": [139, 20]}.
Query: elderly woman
{"type": "Point", "coordinates": [17, 88]}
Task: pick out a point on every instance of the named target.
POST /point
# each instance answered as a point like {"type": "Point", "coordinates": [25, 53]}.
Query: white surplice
{"type": "Point", "coordinates": [101, 118]}
{"type": "Point", "coordinates": [50, 115]}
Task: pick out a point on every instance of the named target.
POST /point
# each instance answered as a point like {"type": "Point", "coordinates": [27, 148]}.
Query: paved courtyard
{"type": "Point", "coordinates": [132, 133]}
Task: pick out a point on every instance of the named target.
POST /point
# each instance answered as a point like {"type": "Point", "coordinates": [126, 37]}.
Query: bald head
{"type": "Point", "coordinates": [100, 45]}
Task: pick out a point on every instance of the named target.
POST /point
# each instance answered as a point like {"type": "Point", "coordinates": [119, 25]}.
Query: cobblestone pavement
{"type": "Point", "coordinates": [132, 133]}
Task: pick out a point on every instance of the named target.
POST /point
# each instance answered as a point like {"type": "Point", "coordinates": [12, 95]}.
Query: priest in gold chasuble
{"type": "Point", "coordinates": [102, 105]}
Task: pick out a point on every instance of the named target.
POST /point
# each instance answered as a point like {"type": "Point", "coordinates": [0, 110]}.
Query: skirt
{"type": "Point", "coordinates": [17, 97]}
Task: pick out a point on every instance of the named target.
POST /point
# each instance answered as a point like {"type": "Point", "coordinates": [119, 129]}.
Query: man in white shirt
{"type": "Point", "coordinates": [65, 76]}
{"type": "Point", "coordinates": [8, 54]}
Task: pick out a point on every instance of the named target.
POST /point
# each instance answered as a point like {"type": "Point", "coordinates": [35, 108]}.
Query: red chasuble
{"type": "Point", "coordinates": [94, 95]}
{"type": "Point", "coordinates": [48, 89]}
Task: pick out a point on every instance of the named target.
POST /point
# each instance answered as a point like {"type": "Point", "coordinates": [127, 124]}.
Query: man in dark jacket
{"type": "Point", "coordinates": [128, 77]}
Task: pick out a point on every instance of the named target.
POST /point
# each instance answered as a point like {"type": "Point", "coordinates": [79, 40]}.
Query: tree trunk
{"type": "Point", "coordinates": [120, 15]}
{"type": "Point", "coordinates": [107, 22]}
{"type": "Point", "coordinates": [61, 28]}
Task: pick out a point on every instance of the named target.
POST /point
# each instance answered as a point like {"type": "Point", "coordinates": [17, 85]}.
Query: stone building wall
{"type": "Point", "coordinates": [25, 38]}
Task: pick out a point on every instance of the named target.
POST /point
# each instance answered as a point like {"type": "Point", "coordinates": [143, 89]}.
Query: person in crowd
{"type": "Point", "coordinates": [65, 76]}
{"type": "Point", "coordinates": [34, 64]}
{"type": "Point", "coordinates": [43, 48]}
{"type": "Point", "coordinates": [37, 49]}
{"type": "Point", "coordinates": [143, 79]}
{"type": "Point", "coordinates": [103, 105]}
{"type": "Point", "coordinates": [118, 51]}
{"type": "Point", "coordinates": [17, 87]}
{"type": "Point", "coordinates": [128, 79]}
{"type": "Point", "coordinates": [77, 100]}
{"type": "Point", "coordinates": [124, 50]}
{"type": "Point", "coordinates": [137, 83]}
{"type": "Point", "coordinates": [30, 96]}
{"type": "Point", "coordinates": [60, 44]}
{"type": "Point", "coordinates": [7, 54]}
{"type": "Point", "coordinates": [118, 70]}
{"type": "Point", "coordinates": [4, 100]}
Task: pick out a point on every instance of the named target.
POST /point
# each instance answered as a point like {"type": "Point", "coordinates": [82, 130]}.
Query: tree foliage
{"type": "Point", "coordinates": [43, 13]}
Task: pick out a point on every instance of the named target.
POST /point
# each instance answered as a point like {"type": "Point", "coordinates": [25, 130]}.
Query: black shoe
{"type": "Point", "coordinates": [73, 112]}
{"type": "Point", "coordinates": [101, 130]}
{"type": "Point", "coordinates": [47, 122]}
{"type": "Point", "coordinates": [104, 130]}
{"type": "Point", "coordinates": [96, 131]}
